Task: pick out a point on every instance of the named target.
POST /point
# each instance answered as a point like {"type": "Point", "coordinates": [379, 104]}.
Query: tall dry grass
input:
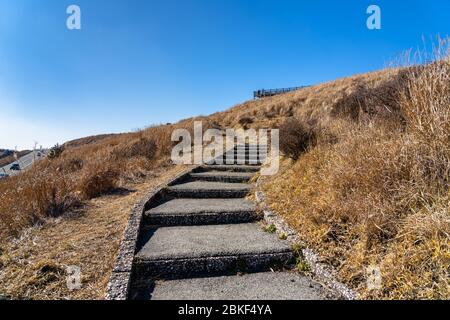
{"type": "Point", "coordinates": [82, 172]}
{"type": "Point", "coordinates": [378, 192]}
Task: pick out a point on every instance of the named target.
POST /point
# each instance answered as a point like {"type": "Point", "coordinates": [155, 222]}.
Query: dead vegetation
{"type": "Point", "coordinates": [34, 266]}
{"type": "Point", "coordinates": [374, 191]}
{"type": "Point", "coordinates": [296, 137]}
{"type": "Point", "coordinates": [76, 174]}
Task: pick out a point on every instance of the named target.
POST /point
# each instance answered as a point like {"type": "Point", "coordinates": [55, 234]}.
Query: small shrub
{"type": "Point", "coordinates": [98, 182]}
{"type": "Point", "coordinates": [46, 273]}
{"type": "Point", "coordinates": [245, 121]}
{"type": "Point", "coordinates": [55, 152]}
{"type": "Point", "coordinates": [295, 138]}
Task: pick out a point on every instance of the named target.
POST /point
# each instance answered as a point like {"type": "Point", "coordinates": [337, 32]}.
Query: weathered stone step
{"type": "Point", "coordinates": [251, 146]}
{"type": "Point", "coordinates": [222, 176]}
{"type": "Point", "coordinates": [254, 286]}
{"type": "Point", "coordinates": [247, 150]}
{"type": "Point", "coordinates": [179, 252]}
{"type": "Point", "coordinates": [230, 168]}
{"type": "Point", "coordinates": [205, 189]}
{"type": "Point", "coordinates": [246, 154]}
{"type": "Point", "coordinates": [184, 212]}
{"type": "Point", "coordinates": [243, 156]}
{"type": "Point", "coordinates": [246, 162]}
{"type": "Point", "coordinates": [242, 160]}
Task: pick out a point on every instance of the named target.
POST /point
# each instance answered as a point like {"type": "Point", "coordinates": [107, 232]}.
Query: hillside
{"type": "Point", "coordinates": [5, 153]}
{"type": "Point", "coordinates": [370, 185]}
{"type": "Point", "coordinates": [87, 140]}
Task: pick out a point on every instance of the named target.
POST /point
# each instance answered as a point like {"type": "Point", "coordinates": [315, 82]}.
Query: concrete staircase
{"type": "Point", "coordinates": [202, 240]}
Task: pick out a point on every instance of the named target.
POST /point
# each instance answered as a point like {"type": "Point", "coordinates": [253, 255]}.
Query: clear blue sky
{"type": "Point", "coordinates": [141, 62]}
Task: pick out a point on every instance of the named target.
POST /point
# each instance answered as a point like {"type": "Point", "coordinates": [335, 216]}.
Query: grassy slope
{"type": "Point", "coordinates": [81, 173]}
{"type": "Point", "coordinates": [40, 234]}
{"type": "Point", "coordinates": [372, 190]}
{"type": "Point", "coordinates": [87, 140]}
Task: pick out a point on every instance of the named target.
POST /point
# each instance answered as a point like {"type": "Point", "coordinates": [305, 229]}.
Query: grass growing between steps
{"type": "Point", "coordinates": [34, 266]}
{"type": "Point", "coordinates": [374, 189]}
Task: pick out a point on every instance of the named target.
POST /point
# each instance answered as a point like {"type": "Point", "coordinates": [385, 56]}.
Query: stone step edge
{"type": "Point", "coordinates": [225, 264]}
{"type": "Point", "coordinates": [207, 194]}
{"type": "Point", "coordinates": [195, 219]}
{"type": "Point", "coordinates": [228, 168]}
{"type": "Point", "coordinates": [220, 178]}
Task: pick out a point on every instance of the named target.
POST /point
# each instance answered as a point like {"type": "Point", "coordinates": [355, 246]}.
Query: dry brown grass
{"type": "Point", "coordinates": [375, 189]}
{"type": "Point", "coordinates": [317, 103]}
{"type": "Point", "coordinates": [33, 260]}
{"type": "Point", "coordinates": [34, 266]}
{"type": "Point", "coordinates": [81, 173]}
{"type": "Point", "coordinates": [296, 137]}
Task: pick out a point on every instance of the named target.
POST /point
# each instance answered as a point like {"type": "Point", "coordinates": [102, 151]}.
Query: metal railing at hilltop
{"type": "Point", "coordinates": [273, 92]}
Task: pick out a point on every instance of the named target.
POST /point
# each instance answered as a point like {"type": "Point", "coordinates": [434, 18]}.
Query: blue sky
{"type": "Point", "coordinates": [140, 62]}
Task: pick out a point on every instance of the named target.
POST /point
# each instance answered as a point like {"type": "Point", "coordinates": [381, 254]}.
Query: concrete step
{"type": "Point", "coordinates": [246, 154]}
{"type": "Point", "coordinates": [255, 286]}
{"type": "Point", "coordinates": [186, 212]}
{"type": "Point", "coordinates": [245, 161]}
{"type": "Point", "coordinates": [222, 176]}
{"type": "Point", "coordinates": [230, 168]}
{"type": "Point", "coordinates": [243, 156]}
{"type": "Point", "coordinates": [180, 252]}
{"type": "Point", "coordinates": [202, 189]}
{"type": "Point", "coordinates": [251, 146]}
{"type": "Point", "coordinates": [248, 149]}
